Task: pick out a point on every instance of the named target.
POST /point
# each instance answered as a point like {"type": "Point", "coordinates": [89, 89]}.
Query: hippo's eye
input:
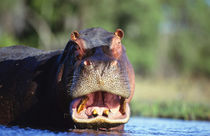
{"type": "Point", "coordinates": [89, 52]}
{"type": "Point", "coordinates": [107, 50]}
{"type": "Point", "coordinates": [79, 52]}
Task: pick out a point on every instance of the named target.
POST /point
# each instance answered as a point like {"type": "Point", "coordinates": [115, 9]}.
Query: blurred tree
{"type": "Point", "coordinates": [162, 37]}
{"type": "Point", "coordinates": [190, 31]}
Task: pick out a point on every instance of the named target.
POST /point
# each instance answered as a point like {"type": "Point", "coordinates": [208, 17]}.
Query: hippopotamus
{"type": "Point", "coordinates": [89, 84]}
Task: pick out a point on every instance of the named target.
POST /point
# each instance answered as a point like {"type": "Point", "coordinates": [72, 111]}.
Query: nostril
{"type": "Point", "coordinates": [87, 63]}
{"type": "Point", "coordinates": [114, 63]}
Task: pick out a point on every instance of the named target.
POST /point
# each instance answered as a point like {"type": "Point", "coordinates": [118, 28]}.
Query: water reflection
{"type": "Point", "coordinates": [98, 133]}
{"type": "Point", "coordinates": [135, 127]}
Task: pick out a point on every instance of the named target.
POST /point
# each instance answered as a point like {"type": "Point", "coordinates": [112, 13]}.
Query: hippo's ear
{"type": "Point", "coordinates": [74, 35]}
{"type": "Point", "coordinates": [119, 33]}
{"type": "Point", "coordinates": [116, 46]}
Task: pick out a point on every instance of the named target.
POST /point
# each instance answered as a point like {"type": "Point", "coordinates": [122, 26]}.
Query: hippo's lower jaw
{"type": "Point", "coordinates": [100, 110]}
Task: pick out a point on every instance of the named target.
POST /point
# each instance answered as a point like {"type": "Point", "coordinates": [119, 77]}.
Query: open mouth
{"type": "Point", "coordinates": [100, 110]}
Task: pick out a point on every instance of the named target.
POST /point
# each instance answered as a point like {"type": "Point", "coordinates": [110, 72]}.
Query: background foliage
{"type": "Point", "coordinates": [163, 38]}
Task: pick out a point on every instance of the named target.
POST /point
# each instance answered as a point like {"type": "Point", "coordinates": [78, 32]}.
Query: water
{"type": "Point", "coordinates": [135, 127]}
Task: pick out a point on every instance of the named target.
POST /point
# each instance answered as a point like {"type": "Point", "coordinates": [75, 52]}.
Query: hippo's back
{"type": "Point", "coordinates": [23, 72]}
{"type": "Point", "coordinates": [20, 52]}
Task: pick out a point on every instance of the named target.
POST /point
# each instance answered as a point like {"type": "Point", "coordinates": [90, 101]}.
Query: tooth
{"type": "Point", "coordinates": [82, 105]}
{"type": "Point", "coordinates": [106, 112]}
{"type": "Point", "coordinates": [95, 113]}
{"type": "Point", "coordinates": [122, 105]}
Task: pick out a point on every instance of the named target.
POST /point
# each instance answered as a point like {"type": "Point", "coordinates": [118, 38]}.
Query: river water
{"type": "Point", "coordinates": [135, 127]}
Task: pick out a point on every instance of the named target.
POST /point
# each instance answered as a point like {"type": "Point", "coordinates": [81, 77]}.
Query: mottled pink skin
{"type": "Point", "coordinates": [76, 102]}
{"type": "Point", "coordinates": [103, 100]}
{"type": "Point", "coordinates": [111, 101]}
{"type": "Point", "coordinates": [99, 99]}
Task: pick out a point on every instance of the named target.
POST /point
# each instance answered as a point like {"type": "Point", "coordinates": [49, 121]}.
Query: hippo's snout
{"type": "Point", "coordinates": [96, 75]}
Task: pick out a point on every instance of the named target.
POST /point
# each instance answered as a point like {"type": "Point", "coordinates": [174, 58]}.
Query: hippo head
{"type": "Point", "coordinates": [97, 79]}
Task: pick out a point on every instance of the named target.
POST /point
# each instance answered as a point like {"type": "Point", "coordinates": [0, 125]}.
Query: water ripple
{"type": "Point", "coordinates": [135, 127]}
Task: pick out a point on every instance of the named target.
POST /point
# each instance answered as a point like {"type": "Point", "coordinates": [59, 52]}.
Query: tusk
{"type": "Point", "coordinates": [123, 106]}
{"type": "Point", "coordinates": [82, 105]}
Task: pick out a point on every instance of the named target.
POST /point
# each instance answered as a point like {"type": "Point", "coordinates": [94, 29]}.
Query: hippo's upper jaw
{"type": "Point", "coordinates": [100, 110]}
{"type": "Point", "coordinates": [98, 78]}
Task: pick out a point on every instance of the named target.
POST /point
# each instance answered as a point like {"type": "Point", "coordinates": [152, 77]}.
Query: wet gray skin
{"type": "Point", "coordinates": [86, 85]}
{"type": "Point", "coordinates": [100, 75]}
{"type": "Point", "coordinates": [97, 70]}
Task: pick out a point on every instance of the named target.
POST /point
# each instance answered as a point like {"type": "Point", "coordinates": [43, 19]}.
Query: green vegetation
{"type": "Point", "coordinates": [162, 37]}
{"type": "Point", "coordinates": [164, 40]}
{"type": "Point", "coordinates": [172, 98]}
{"type": "Point", "coordinates": [175, 109]}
